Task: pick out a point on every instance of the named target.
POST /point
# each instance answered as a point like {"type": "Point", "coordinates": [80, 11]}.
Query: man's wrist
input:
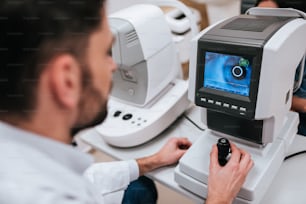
{"type": "Point", "coordinates": [217, 200]}
{"type": "Point", "coordinates": [148, 164]}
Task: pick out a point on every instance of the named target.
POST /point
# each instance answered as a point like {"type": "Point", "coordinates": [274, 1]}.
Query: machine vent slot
{"type": "Point", "coordinates": [131, 38]}
{"type": "Point", "coordinates": [254, 25]}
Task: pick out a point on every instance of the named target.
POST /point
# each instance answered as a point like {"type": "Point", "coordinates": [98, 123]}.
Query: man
{"type": "Point", "coordinates": [55, 78]}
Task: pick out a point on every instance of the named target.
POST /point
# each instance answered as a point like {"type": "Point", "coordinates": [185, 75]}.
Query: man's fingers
{"type": "Point", "coordinates": [214, 157]}
{"type": "Point", "coordinates": [184, 143]}
{"type": "Point", "coordinates": [236, 154]}
{"type": "Point", "coordinates": [246, 160]}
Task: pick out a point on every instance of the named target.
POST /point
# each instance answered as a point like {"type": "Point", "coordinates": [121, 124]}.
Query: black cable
{"type": "Point", "coordinates": [294, 154]}
{"type": "Point", "coordinates": [185, 116]}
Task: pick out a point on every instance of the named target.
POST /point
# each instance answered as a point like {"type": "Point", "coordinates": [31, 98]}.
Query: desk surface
{"type": "Point", "coordinates": [288, 185]}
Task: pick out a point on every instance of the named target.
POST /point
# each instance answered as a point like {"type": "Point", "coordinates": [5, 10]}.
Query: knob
{"type": "Point", "coordinates": [223, 150]}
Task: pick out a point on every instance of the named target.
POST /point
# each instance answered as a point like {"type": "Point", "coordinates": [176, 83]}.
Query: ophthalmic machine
{"type": "Point", "coordinates": [242, 73]}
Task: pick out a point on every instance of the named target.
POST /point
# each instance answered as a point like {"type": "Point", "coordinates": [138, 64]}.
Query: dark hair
{"type": "Point", "coordinates": [296, 4]}
{"type": "Point", "coordinates": [34, 31]}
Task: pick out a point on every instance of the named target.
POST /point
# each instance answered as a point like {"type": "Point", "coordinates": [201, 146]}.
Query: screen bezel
{"type": "Point", "coordinates": [250, 52]}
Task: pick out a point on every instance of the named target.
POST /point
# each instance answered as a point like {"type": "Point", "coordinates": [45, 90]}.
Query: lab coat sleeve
{"type": "Point", "coordinates": [111, 177]}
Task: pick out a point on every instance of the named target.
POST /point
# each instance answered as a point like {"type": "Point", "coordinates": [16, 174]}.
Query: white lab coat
{"type": "Point", "coordinates": [35, 169]}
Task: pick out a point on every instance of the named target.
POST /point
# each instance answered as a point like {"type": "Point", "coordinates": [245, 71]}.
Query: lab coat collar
{"type": "Point", "coordinates": [62, 153]}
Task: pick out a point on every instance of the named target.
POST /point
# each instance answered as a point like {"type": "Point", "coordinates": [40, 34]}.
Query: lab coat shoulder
{"type": "Point", "coordinates": [27, 176]}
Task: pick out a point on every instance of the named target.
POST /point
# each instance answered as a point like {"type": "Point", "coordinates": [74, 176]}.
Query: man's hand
{"type": "Point", "coordinates": [225, 182]}
{"type": "Point", "coordinates": [169, 154]}
{"type": "Point", "coordinates": [298, 104]}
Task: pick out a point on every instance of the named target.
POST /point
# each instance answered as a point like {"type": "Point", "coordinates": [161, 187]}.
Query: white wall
{"type": "Point", "coordinates": [220, 9]}
{"type": "Point", "coordinates": [216, 9]}
{"type": "Point", "coordinates": [115, 5]}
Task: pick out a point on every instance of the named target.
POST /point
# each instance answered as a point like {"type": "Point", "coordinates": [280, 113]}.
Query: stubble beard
{"type": "Point", "coordinates": [92, 108]}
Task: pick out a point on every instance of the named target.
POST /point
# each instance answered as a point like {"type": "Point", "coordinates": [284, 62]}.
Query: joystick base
{"type": "Point", "coordinates": [193, 168]}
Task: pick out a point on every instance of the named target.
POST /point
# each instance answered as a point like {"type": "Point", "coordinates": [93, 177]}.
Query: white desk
{"type": "Point", "coordinates": [288, 186]}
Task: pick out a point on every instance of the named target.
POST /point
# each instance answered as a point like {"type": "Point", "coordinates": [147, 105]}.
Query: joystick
{"type": "Point", "coordinates": [223, 150]}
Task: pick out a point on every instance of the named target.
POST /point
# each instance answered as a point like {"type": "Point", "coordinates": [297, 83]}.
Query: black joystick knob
{"type": "Point", "coordinates": [223, 150]}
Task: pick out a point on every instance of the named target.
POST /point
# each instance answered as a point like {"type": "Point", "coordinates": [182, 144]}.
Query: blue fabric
{"type": "Point", "coordinates": [141, 191]}
{"type": "Point", "coordinates": [301, 92]}
{"type": "Point", "coordinates": [302, 124]}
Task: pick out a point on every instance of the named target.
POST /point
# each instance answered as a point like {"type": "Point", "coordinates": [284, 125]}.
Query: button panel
{"type": "Point", "coordinates": [129, 118]}
{"type": "Point", "coordinates": [234, 107]}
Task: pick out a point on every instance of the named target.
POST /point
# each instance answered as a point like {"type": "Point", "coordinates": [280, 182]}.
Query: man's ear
{"type": "Point", "coordinates": [65, 80]}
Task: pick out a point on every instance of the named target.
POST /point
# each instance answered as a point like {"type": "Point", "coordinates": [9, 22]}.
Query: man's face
{"type": "Point", "coordinates": [99, 67]}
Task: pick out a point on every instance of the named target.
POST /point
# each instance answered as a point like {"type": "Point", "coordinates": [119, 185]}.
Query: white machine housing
{"type": "Point", "coordinates": [144, 52]}
{"type": "Point", "coordinates": [181, 29]}
{"type": "Point", "coordinates": [128, 126]}
{"type": "Point", "coordinates": [280, 54]}
{"type": "Point", "coordinates": [276, 77]}
{"type": "Point", "coordinates": [148, 93]}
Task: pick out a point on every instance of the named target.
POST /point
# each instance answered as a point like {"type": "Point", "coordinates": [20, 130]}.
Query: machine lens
{"type": "Point", "coordinates": [238, 72]}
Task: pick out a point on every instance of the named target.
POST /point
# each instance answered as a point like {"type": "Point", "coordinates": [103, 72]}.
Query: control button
{"type": "Point", "coordinates": [226, 105]}
{"type": "Point", "coordinates": [128, 75]}
{"type": "Point", "coordinates": [210, 101]}
{"type": "Point", "coordinates": [127, 116]}
{"type": "Point", "coordinates": [224, 149]}
{"type": "Point", "coordinates": [218, 103]}
{"type": "Point", "coordinates": [131, 92]}
{"type": "Point", "coordinates": [117, 113]}
{"type": "Point", "coordinates": [242, 109]}
{"type": "Point", "coordinates": [234, 107]}
{"type": "Point", "coordinates": [203, 99]}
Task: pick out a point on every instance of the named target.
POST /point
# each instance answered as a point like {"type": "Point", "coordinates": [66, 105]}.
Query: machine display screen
{"type": "Point", "coordinates": [228, 73]}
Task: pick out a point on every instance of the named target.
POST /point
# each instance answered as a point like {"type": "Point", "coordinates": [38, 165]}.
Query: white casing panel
{"type": "Point", "coordinates": [281, 55]}
{"type": "Point", "coordinates": [157, 45]}
{"type": "Point", "coordinates": [146, 123]}
{"type": "Point", "coordinates": [150, 25]}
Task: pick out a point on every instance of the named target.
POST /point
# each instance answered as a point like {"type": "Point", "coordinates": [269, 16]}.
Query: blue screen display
{"type": "Point", "coordinates": [227, 73]}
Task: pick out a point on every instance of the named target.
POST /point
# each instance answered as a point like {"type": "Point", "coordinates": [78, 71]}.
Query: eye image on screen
{"type": "Point", "coordinates": [227, 73]}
